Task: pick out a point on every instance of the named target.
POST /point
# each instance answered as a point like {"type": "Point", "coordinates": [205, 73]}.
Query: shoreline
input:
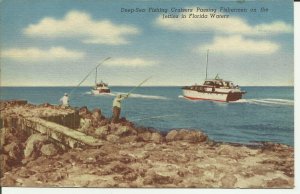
{"type": "Point", "coordinates": [124, 155]}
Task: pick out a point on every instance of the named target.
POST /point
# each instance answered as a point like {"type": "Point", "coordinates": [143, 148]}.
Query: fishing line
{"type": "Point", "coordinates": [70, 93]}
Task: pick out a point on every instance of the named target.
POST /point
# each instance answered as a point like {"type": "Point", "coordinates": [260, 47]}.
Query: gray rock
{"type": "Point", "coordinates": [49, 150]}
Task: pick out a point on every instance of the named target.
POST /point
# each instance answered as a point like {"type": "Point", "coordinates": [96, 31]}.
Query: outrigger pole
{"type": "Point", "coordinates": [88, 75]}
{"type": "Point", "coordinates": [138, 86]}
{"type": "Point", "coordinates": [206, 64]}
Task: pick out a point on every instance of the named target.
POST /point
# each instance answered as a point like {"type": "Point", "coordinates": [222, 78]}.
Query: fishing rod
{"type": "Point", "coordinates": [130, 92]}
{"type": "Point", "coordinates": [88, 75]}
{"type": "Point", "coordinates": [155, 117]}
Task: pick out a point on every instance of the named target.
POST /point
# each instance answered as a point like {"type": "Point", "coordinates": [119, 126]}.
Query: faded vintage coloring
{"type": "Point", "coordinates": [147, 94]}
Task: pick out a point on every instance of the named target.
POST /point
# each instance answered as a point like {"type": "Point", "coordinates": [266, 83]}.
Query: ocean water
{"type": "Point", "coordinates": [265, 113]}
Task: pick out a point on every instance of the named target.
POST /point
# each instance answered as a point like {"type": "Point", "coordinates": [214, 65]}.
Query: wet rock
{"type": "Point", "coordinates": [96, 114]}
{"type": "Point", "coordinates": [49, 150]}
{"type": "Point", "coordinates": [156, 137]}
{"type": "Point", "coordinates": [191, 136]}
{"type": "Point", "coordinates": [96, 117]}
{"type": "Point", "coordinates": [171, 136]}
{"type": "Point", "coordinates": [84, 111]}
{"type": "Point", "coordinates": [277, 183]}
{"type": "Point", "coordinates": [228, 181]}
{"type": "Point", "coordinates": [112, 138]}
{"type": "Point", "coordinates": [32, 142]}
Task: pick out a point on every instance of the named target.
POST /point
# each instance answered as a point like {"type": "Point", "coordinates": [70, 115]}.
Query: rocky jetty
{"type": "Point", "coordinates": [132, 156]}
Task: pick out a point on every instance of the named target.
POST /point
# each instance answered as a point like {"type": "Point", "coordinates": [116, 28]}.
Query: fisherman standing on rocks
{"type": "Point", "coordinates": [65, 100]}
{"type": "Point", "coordinates": [117, 107]}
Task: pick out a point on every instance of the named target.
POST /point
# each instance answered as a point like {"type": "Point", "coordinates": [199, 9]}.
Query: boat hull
{"type": "Point", "coordinates": [213, 96]}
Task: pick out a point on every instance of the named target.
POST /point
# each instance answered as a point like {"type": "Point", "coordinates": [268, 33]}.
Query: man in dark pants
{"type": "Point", "coordinates": [117, 107]}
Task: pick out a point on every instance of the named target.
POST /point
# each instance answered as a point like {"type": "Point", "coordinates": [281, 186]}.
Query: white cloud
{"type": "Point", "coordinates": [238, 45]}
{"type": "Point", "coordinates": [80, 25]}
{"type": "Point", "coordinates": [37, 55]}
{"type": "Point", "coordinates": [130, 62]}
{"type": "Point", "coordinates": [231, 25]}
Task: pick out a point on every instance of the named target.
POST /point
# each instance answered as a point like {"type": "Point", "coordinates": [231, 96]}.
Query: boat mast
{"type": "Point", "coordinates": [206, 64]}
{"type": "Point", "coordinates": [96, 76]}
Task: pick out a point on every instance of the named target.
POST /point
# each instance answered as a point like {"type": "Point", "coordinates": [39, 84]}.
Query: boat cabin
{"type": "Point", "coordinates": [219, 83]}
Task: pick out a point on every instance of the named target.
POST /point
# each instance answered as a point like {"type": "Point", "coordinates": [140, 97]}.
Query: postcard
{"type": "Point", "coordinates": [147, 94]}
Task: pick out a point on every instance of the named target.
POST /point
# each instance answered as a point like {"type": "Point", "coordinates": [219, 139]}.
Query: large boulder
{"type": "Point", "coordinates": [84, 111]}
{"type": "Point", "coordinates": [145, 136]}
{"type": "Point", "coordinates": [96, 117]}
{"type": "Point", "coordinates": [156, 137]}
{"type": "Point", "coordinates": [228, 181]}
{"type": "Point", "coordinates": [85, 124]}
{"type": "Point", "coordinates": [124, 131]}
{"type": "Point", "coordinates": [191, 136]}
{"type": "Point", "coordinates": [171, 136]}
{"type": "Point", "coordinates": [33, 142]}
{"type": "Point", "coordinates": [49, 149]}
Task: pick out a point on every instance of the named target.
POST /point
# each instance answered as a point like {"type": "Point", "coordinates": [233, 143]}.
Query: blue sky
{"type": "Point", "coordinates": [56, 43]}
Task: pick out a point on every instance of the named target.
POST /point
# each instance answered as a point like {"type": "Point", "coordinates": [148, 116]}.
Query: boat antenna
{"type": "Point", "coordinates": [206, 64]}
{"type": "Point", "coordinates": [96, 76]}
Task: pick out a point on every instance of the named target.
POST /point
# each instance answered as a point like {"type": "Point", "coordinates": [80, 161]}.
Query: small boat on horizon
{"type": "Point", "coordinates": [215, 89]}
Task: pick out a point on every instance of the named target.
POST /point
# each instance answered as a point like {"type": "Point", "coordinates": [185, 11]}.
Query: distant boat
{"type": "Point", "coordinates": [100, 87]}
{"type": "Point", "coordinates": [215, 89]}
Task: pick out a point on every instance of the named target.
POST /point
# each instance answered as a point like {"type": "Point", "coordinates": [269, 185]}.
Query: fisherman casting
{"type": "Point", "coordinates": [117, 107]}
{"type": "Point", "coordinates": [65, 100]}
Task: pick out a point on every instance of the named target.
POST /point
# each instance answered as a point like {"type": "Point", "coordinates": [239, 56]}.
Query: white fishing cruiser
{"type": "Point", "coordinates": [215, 89]}
{"type": "Point", "coordinates": [100, 87]}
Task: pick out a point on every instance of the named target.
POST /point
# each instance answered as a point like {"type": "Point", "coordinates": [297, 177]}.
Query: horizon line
{"type": "Point", "coordinates": [142, 86]}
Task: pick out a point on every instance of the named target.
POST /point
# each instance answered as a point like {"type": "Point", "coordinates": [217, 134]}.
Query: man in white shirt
{"type": "Point", "coordinates": [117, 107]}
{"type": "Point", "coordinates": [65, 100]}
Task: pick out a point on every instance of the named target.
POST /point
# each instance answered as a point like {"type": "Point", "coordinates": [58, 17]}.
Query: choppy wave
{"type": "Point", "coordinates": [267, 101]}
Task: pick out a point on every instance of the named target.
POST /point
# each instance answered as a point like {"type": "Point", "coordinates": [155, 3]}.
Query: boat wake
{"type": "Point", "coordinates": [132, 95]}
{"type": "Point", "coordinates": [267, 101]}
